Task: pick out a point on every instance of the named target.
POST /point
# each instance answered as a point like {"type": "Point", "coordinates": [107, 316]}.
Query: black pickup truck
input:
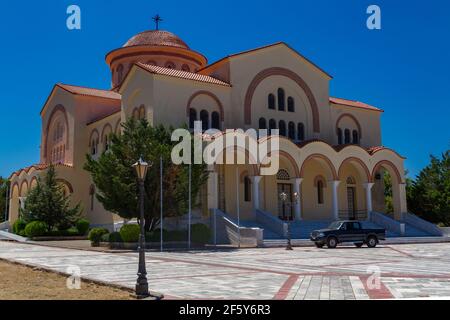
{"type": "Point", "coordinates": [347, 231]}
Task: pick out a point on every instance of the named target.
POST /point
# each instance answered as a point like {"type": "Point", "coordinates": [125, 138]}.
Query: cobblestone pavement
{"type": "Point", "coordinates": [405, 271]}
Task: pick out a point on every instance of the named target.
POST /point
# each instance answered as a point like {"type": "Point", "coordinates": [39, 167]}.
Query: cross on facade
{"type": "Point", "coordinates": [157, 20]}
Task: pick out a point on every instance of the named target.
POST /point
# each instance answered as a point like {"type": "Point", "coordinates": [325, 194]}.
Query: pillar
{"type": "Point", "coordinates": [368, 188]}
{"type": "Point", "coordinates": [213, 190]}
{"type": "Point", "coordinates": [255, 186]}
{"type": "Point", "coordinates": [298, 203]}
{"type": "Point", "coordinates": [335, 202]}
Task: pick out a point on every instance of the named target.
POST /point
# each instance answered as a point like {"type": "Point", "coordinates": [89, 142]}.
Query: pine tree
{"type": "Point", "coordinates": [116, 182]}
{"type": "Point", "coordinates": [47, 203]}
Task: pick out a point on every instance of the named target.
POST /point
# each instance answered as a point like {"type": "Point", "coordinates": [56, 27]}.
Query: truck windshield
{"type": "Point", "coordinates": [335, 225]}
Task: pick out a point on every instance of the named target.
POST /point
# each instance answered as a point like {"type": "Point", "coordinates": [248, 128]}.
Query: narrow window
{"type": "Point", "coordinates": [355, 137]}
{"type": "Point", "coordinates": [281, 98]}
{"type": "Point", "coordinates": [300, 132]}
{"type": "Point", "coordinates": [247, 189]}
{"type": "Point", "coordinates": [271, 101]}
{"type": "Point", "coordinates": [282, 128]}
{"type": "Point", "coordinates": [204, 118]}
{"type": "Point", "coordinates": [291, 130]}
{"type": "Point", "coordinates": [215, 120]}
{"type": "Point", "coordinates": [291, 104]}
{"type": "Point", "coordinates": [262, 123]}
{"type": "Point", "coordinates": [347, 136]}
{"type": "Point", "coordinates": [272, 125]}
{"type": "Point", "coordinates": [339, 134]}
{"type": "Point", "coordinates": [320, 192]}
{"type": "Point", "coordinates": [192, 118]}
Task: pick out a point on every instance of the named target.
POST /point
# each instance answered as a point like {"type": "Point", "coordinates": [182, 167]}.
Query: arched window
{"type": "Point", "coordinates": [186, 68]}
{"type": "Point", "coordinates": [291, 104]}
{"type": "Point", "coordinates": [283, 175]}
{"type": "Point", "coordinates": [92, 196]}
{"type": "Point", "coordinates": [355, 137]}
{"type": "Point", "coordinates": [347, 136]}
{"type": "Point", "coordinates": [282, 128]}
{"type": "Point", "coordinates": [281, 98]}
{"type": "Point", "coordinates": [247, 189]}
{"type": "Point", "coordinates": [262, 123]}
{"type": "Point", "coordinates": [119, 73]}
{"type": "Point", "coordinates": [170, 65]}
{"type": "Point", "coordinates": [215, 120]}
{"type": "Point", "coordinates": [272, 125]}
{"type": "Point", "coordinates": [192, 118]}
{"type": "Point", "coordinates": [141, 112]}
{"type": "Point", "coordinates": [271, 101]}
{"type": "Point", "coordinates": [136, 114]}
{"type": "Point", "coordinates": [351, 180]}
{"type": "Point", "coordinates": [300, 132]}
{"type": "Point", "coordinates": [291, 130]}
{"type": "Point", "coordinates": [94, 144]}
{"type": "Point", "coordinates": [106, 143]}
{"type": "Point", "coordinates": [339, 134]}
{"type": "Point", "coordinates": [320, 192]}
{"type": "Point", "coordinates": [204, 118]}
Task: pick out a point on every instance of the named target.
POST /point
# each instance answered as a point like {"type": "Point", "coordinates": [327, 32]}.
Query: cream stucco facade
{"type": "Point", "coordinates": [331, 150]}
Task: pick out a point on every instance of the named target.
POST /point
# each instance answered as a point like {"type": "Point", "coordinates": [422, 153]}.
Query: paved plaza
{"type": "Point", "coordinates": [405, 271]}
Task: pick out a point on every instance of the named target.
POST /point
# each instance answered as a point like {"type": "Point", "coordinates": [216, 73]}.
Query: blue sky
{"type": "Point", "coordinates": [403, 68]}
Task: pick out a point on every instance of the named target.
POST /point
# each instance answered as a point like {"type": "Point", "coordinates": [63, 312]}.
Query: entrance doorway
{"type": "Point", "coordinates": [285, 210]}
{"type": "Point", "coordinates": [351, 203]}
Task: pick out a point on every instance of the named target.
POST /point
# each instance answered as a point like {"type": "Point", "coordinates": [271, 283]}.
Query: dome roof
{"type": "Point", "coordinates": [156, 38]}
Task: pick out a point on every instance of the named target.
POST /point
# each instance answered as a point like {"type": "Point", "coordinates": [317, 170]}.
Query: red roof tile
{"type": "Point", "coordinates": [39, 167]}
{"type": "Point", "coordinates": [84, 91]}
{"type": "Point", "coordinates": [353, 103]}
{"type": "Point", "coordinates": [182, 74]}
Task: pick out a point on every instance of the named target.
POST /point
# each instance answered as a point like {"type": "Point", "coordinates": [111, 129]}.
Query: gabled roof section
{"type": "Point", "coordinates": [354, 104]}
{"type": "Point", "coordinates": [182, 74]}
{"type": "Point", "coordinates": [83, 91]}
{"type": "Point", "coordinates": [262, 48]}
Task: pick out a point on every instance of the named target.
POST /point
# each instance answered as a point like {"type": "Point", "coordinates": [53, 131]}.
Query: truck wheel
{"type": "Point", "coordinates": [359, 244]}
{"type": "Point", "coordinates": [372, 242]}
{"type": "Point", "coordinates": [319, 245]}
{"type": "Point", "coordinates": [331, 242]}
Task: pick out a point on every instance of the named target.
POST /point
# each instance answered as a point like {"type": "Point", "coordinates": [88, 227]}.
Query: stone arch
{"type": "Point", "coordinates": [66, 184]}
{"type": "Point", "coordinates": [358, 125]}
{"type": "Point", "coordinates": [93, 132]}
{"type": "Point", "coordinates": [387, 163]}
{"type": "Point", "coordinates": [360, 163]}
{"type": "Point", "coordinates": [277, 71]}
{"type": "Point", "coordinates": [56, 109]}
{"type": "Point", "coordinates": [21, 191]}
{"type": "Point", "coordinates": [207, 93]}
{"type": "Point", "coordinates": [117, 127]}
{"type": "Point", "coordinates": [321, 157]}
{"type": "Point", "coordinates": [33, 182]}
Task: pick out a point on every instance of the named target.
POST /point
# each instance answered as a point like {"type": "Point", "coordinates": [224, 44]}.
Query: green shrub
{"type": "Point", "coordinates": [105, 238]}
{"type": "Point", "coordinates": [95, 235]}
{"type": "Point", "coordinates": [176, 235]}
{"type": "Point", "coordinates": [200, 233]}
{"type": "Point", "coordinates": [72, 232]}
{"type": "Point", "coordinates": [82, 226]}
{"type": "Point", "coordinates": [115, 237]}
{"type": "Point", "coordinates": [19, 226]}
{"type": "Point", "coordinates": [130, 232]}
{"type": "Point", "coordinates": [155, 236]}
{"type": "Point", "coordinates": [36, 229]}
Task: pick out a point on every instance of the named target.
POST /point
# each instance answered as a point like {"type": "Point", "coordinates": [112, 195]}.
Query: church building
{"type": "Point", "coordinates": [332, 160]}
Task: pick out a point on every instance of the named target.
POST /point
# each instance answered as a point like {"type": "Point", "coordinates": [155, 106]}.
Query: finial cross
{"type": "Point", "coordinates": [157, 20]}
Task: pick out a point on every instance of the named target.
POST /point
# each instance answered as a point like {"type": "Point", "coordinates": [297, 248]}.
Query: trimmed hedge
{"type": "Point", "coordinates": [115, 237]}
{"type": "Point", "coordinates": [19, 226]}
{"type": "Point", "coordinates": [36, 229]}
{"type": "Point", "coordinates": [82, 226]}
{"type": "Point", "coordinates": [95, 235]}
{"type": "Point", "coordinates": [130, 232]}
{"type": "Point", "coordinates": [200, 233]}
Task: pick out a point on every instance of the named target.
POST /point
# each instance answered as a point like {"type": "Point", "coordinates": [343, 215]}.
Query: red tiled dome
{"type": "Point", "coordinates": [156, 38]}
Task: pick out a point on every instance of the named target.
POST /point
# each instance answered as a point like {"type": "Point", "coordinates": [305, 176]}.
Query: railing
{"type": "Point", "coordinates": [234, 234]}
{"type": "Point", "coordinates": [421, 224]}
{"type": "Point", "coordinates": [387, 222]}
{"type": "Point", "coordinates": [270, 222]}
{"type": "Point", "coordinates": [353, 215]}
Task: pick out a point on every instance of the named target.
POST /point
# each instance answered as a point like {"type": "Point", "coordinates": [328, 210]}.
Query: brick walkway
{"type": "Point", "coordinates": [406, 271]}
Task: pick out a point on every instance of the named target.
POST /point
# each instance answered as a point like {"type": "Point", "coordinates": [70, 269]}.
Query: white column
{"type": "Point", "coordinates": [335, 202]}
{"type": "Point", "coordinates": [368, 188]}
{"type": "Point", "coordinates": [255, 185]}
{"type": "Point", "coordinates": [402, 195]}
{"type": "Point", "coordinates": [298, 204]}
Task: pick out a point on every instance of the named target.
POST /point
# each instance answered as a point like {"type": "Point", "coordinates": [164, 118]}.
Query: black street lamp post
{"type": "Point", "coordinates": [141, 283]}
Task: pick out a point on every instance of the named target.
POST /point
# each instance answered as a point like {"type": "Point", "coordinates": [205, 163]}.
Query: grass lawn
{"type": "Point", "coordinates": [24, 283]}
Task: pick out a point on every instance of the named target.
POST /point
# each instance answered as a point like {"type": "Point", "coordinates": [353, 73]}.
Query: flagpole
{"type": "Point", "coordinates": [161, 204]}
{"type": "Point", "coordinates": [190, 206]}
{"type": "Point", "coordinates": [238, 211]}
